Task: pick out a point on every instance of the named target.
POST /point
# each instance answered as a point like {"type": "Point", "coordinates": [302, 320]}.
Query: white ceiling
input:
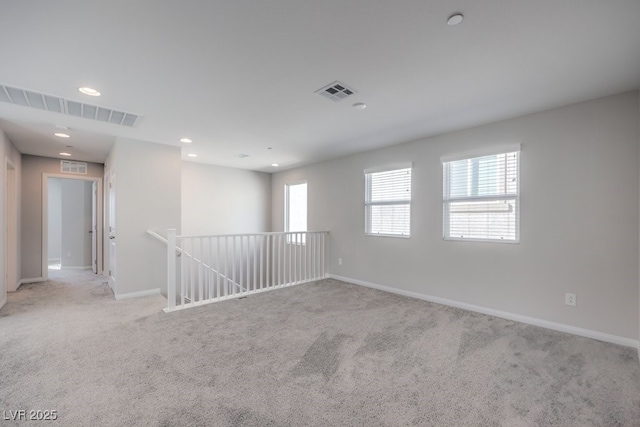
{"type": "Point", "coordinates": [238, 76]}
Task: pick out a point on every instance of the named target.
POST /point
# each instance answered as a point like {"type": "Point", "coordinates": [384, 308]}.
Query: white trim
{"type": "Point", "coordinates": [239, 295]}
{"type": "Point", "coordinates": [139, 294]}
{"type": "Point", "coordinates": [31, 280]}
{"type": "Point", "coordinates": [481, 152]}
{"type": "Point", "coordinates": [389, 167]}
{"type": "Point", "coordinates": [72, 267]}
{"type": "Point", "coordinates": [588, 333]}
{"type": "Point", "coordinates": [45, 218]}
{"type": "Point", "coordinates": [11, 213]}
{"type": "Point", "coordinates": [469, 239]}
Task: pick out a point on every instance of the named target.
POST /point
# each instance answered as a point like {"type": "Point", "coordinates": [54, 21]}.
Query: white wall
{"type": "Point", "coordinates": [579, 219]}
{"type": "Point", "coordinates": [148, 180]}
{"type": "Point", "coordinates": [33, 168]}
{"type": "Point", "coordinates": [10, 153]}
{"type": "Point", "coordinates": [220, 200]}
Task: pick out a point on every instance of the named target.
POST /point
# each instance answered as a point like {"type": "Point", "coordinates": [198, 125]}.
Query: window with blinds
{"type": "Point", "coordinates": [388, 202]}
{"type": "Point", "coordinates": [481, 197]}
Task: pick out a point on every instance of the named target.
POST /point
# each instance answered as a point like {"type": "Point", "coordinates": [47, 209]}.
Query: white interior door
{"type": "Point", "coordinates": [112, 231]}
{"type": "Point", "coordinates": [94, 227]}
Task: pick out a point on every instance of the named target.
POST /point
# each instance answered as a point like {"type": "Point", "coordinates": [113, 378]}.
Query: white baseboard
{"type": "Point", "coordinates": [71, 267]}
{"type": "Point", "coordinates": [139, 294]}
{"type": "Point", "coordinates": [588, 333]}
{"type": "Point", "coordinates": [31, 280]}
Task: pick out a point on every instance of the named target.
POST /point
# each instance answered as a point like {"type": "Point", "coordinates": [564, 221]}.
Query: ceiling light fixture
{"type": "Point", "coordinates": [359, 105]}
{"type": "Point", "coordinates": [455, 19]}
{"type": "Point", "coordinates": [192, 155]}
{"type": "Point", "coordinates": [186, 140]}
{"type": "Point", "coordinates": [275, 165]}
{"type": "Point", "coordinates": [61, 135]}
{"type": "Point", "coordinates": [89, 91]}
{"type": "Point", "coordinates": [65, 154]}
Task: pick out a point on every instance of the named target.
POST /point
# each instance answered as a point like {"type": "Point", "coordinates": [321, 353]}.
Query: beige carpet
{"type": "Point", "coordinates": [323, 354]}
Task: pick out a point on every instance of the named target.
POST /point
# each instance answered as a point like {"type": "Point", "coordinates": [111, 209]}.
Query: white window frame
{"type": "Point", "coordinates": [446, 199]}
{"type": "Point", "coordinates": [287, 214]}
{"type": "Point", "coordinates": [368, 203]}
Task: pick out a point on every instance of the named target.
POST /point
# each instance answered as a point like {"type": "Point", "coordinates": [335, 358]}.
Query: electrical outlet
{"type": "Point", "coordinates": [570, 299]}
{"type": "Point", "coordinates": [339, 261]}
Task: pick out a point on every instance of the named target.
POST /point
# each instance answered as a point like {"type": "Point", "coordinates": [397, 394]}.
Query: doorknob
{"type": "Point", "coordinates": [90, 231]}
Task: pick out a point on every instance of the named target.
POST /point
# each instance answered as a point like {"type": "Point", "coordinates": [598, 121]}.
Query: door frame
{"type": "Point", "coordinates": [97, 211]}
{"type": "Point", "coordinates": [109, 218]}
{"type": "Point", "coordinates": [10, 225]}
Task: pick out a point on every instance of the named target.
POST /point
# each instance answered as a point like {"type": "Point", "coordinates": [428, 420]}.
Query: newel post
{"type": "Point", "coordinates": [171, 268]}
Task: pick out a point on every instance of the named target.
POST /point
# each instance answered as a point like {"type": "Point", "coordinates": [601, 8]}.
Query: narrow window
{"type": "Point", "coordinates": [481, 197]}
{"type": "Point", "coordinates": [388, 202]}
{"type": "Point", "coordinates": [295, 208]}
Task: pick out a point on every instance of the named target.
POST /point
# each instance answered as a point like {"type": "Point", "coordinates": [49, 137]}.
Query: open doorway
{"type": "Point", "coordinates": [71, 224]}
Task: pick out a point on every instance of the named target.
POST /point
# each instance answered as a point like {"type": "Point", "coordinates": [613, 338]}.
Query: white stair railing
{"type": "Point", "coordinates": [179, 252]}
{"type": "Point", "coordinates": [220, 267]}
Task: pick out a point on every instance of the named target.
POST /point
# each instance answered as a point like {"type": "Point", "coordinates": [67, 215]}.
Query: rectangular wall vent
{"type": "Point", "coordinates": [79, 168]}
{"type": "Point", "coordinates": [41, 101]}
{"type": "Point", "coordinates": [336, 91]}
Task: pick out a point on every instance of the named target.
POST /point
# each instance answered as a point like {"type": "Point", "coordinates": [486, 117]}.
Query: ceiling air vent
{"type": "Point", "coordinates": [67, 166]}
{"type": "Point", "coordinates": [336, 91]}
{"type": "Point", "coordinates": [41, 101]}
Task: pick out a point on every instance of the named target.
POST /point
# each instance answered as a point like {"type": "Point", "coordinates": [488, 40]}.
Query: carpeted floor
{"type": "Point", "coordinates": [323, 354]}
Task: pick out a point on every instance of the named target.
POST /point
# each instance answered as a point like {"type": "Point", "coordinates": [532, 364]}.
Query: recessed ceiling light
{"type": "Point", "coordinates": [61, 135]}
{"type": "Point", "coordinates": [65, 154]}
{"type": "Point", "coordinates": [455, 19]}
{"type": "Point", "coordinates": [89, 91]}
{"type": "Point", "coordinates": [269, 148]}
{"type": "Point", "coordinates": [192, 155]}
{"type": "Point", "coordinates": [359, 105]}
{"type": "Point", "coordinates": [186, 140]}
{"type": "Point", "coordinates": [275, 165]}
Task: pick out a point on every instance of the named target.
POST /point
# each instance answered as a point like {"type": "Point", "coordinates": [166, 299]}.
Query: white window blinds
{"type": "Point", "coordinates": [481, 198]}
{"type": "Point", "coordinates": [388, 202]}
